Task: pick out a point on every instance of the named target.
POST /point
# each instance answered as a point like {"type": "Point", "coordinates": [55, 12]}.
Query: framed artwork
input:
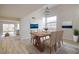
{"type": "Point", "coordinates": [34, 26]}
{"type": "Point", "coordinates": [67, 24]}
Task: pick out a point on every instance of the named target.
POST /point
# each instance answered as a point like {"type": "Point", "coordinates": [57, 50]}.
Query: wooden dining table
{"type": "Point", "coordinates": [38, 35]}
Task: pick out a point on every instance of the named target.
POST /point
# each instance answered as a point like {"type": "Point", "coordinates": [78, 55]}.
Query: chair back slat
{"type": "Point", "coordinates": [59, 35]}
{"type": "Point", "coordinates": [53, 38]}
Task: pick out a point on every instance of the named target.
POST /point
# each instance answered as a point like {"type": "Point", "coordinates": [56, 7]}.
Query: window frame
{"type": "Point", "coordinates": [51, 22]}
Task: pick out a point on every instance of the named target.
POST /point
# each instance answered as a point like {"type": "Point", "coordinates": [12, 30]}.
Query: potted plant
{"type": "Point", "coordinates": [76, 35]}
{"type": "Point", "coordinates": [7, 34]}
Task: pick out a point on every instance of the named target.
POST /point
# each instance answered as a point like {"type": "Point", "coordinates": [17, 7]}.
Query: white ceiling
{"type": "Point", "coordinates": [18, 10]}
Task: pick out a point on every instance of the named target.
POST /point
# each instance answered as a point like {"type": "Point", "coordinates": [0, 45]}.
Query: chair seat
{"type": "Point", "coordinates": [47, 42]}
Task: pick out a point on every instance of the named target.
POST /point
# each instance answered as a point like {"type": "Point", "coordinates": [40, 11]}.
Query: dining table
{"type": "Point", "coordinates": [38, 35]}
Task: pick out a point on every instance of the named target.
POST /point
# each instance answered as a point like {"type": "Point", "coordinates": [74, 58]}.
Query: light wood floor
{"type": "Point", "coordinates": [11, 45]}
{"type": "Point", "coordinates": [14, 45]}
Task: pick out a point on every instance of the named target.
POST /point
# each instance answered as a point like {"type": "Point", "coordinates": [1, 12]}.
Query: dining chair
{"type": "Point", "coordinates": [33, 39]}
{"type": "Point", "coordinates": [51, 42]}
{"type": "Point", "coordinates": [59, 38]}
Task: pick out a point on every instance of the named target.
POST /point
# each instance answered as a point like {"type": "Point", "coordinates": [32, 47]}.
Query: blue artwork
{"type": "Point", "coordinates": [33, 26]}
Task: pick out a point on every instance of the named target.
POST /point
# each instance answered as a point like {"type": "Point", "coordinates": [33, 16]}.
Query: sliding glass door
{"type": "Point", "coordinates": [8, 28]}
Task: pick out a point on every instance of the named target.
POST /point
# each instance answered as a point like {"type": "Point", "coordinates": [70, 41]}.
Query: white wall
{"type": "Point", "coordinates": [63, 13]}
{"type": "Point", "coordinates": [1, 28]}
{"type": "Point", "coordinates": [25, 29]}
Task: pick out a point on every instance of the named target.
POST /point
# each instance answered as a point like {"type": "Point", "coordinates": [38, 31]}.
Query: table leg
{"type": "Point", "coordinates": [38, 44]}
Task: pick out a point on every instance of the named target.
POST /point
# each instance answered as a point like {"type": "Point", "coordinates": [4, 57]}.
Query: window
{"type": "Point", "coordinates": [51, 22]}
{"type": "Point", "coordinates": [18, 27]}
{"type": "Point", "coordinates": [8, 28]}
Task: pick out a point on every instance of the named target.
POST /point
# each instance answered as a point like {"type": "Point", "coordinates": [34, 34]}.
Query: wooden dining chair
{"type": "Point", "coordinates": [33, 39]}
{"type": "Point", "coordinates": [59, 38]}
{"type": "Point", "coordinates": [51, 43]}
